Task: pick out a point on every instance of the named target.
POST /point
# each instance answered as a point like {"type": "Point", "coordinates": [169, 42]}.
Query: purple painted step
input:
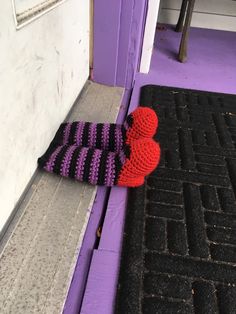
{"type": "Point", "coordinates": [103, 275]}
{"type": "Point", "coordinates": [99, 294]}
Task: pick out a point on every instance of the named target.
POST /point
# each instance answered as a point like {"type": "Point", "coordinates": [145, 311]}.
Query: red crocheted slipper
{"type": "Point", "coordinates": [144, 158]}
{"type": "Point", "coordinates": [142, 123]}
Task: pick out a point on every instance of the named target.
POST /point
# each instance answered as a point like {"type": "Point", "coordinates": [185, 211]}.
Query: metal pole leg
{"type": "Point", "coordinates": [184, 39]}
{"type": "Point", "coordinates": [180, 24]}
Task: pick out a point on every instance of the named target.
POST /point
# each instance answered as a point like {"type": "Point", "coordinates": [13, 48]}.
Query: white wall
{"type": "Point", "coordinates": [43, 67]}
{"type": "Point", "coordinates": [215, 14]}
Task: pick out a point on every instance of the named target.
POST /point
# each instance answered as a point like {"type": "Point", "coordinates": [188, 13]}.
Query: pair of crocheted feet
{"type": "Point", "coordinates": [104, 153]}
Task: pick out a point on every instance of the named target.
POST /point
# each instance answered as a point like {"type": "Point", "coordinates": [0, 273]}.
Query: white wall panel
{"type": "Point", "coordinates": [43, 67]}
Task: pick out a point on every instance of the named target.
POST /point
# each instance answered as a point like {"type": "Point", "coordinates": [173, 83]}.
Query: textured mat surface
{"type": "Point", "coordinates": [179, 251]}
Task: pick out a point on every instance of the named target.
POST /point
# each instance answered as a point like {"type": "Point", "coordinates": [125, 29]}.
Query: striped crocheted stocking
{"type": "Point", "coordinates": [141, 123]}
{"type": "Point", "coordinates": [101, 167]}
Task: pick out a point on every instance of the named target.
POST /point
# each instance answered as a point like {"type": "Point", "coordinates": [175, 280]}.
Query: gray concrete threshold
{"type": "Point", "coordinates": [39, 255]}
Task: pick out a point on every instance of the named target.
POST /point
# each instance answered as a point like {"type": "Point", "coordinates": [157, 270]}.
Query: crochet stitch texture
{"type": "Point", "coordinates": [100, 167]}
{"type": "Point", "coordinates": [141, 123]}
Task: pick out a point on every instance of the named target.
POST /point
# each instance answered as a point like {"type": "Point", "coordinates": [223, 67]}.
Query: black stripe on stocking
{"type": "Point", "coordinates": [118, 166]}
{"type": "Point", "coordinates": [130, 120]}
{"type": "Point", "coordinates": [73, 129]}
{"type": "Point", "coordinates": [87, 164]}
{"type": "Point", "coordinates": [102, 168]}
{"type": "Point", "coordinates": [85, 134]}
{"type": "Point", "coordinates": [58, 138]}
{"type": "Point", "coordinates": [99, 135]}
{"type": "Point", "coordinates": [123, 131]}
{"type": "Point", "coordinates": [112, 137]}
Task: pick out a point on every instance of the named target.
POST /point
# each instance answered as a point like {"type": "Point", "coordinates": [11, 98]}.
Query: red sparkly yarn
{"type": "Point", "coordinates": [144, 124]}
{"type": "Point", "coordinates": [144, 158]}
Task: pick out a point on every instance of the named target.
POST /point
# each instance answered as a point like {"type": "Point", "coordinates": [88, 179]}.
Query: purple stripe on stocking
{"type": "Point", "coordinates": [66, 133]}
{"type": "Point", "coordinates": [94, 168]}
{"type": "Point", "coordinates": [67, 160]}
{"type": "Point", "coordinates": [110, 170]}
{"type": "Point", "coordinates": [122, 157]}
{"type": "Point", "coordinates": [79, 132]}
{"type": "Point", "coordinates": [92, 134]}
{"type": "Point", "coordinates": [118, 138]}
{"type": "Point", "coordinates": [105, 135]}
{"type": "Point", "coordinates": [80, 163]}
{"type": "Point", "coordinates": [51, 162]}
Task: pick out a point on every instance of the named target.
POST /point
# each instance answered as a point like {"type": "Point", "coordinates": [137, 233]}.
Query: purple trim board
{"type": "Point", "coordinates": [101, 283]}
{"type": "Point", "coordinates": [125, 29]}
{"type": "Point", "coordinates": [106, 40]}
{"type": "Point", "coordinates": [117, 40]}
{"type": "Point", "coordinates": [135, 40]}
{"type": "Point", "coordinates": [100, 291]}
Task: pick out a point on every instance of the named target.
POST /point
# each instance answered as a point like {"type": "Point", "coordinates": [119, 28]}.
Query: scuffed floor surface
{"type": "Point", "coordinates": [39, 255]}
{"type": "Point", "coordinates": [179, 253]}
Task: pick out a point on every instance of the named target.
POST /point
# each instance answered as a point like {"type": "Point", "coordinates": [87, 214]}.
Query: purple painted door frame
{"type": "Point", "coordinates": [118, 36]}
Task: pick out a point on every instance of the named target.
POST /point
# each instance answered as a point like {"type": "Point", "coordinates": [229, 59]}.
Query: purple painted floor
{"type": "Point", "coordinates": [211, 64]}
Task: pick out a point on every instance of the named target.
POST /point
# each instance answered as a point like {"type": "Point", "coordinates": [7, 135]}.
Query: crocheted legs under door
{"type": "Point", "coordinates": [141, 123]}
{"type": "Point", "coordinates": [101, 167]}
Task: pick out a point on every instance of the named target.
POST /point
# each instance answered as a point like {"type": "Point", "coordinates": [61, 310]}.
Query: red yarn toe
{"type": "Point", "coordinates": [131, 182]}
{"type": "Point", "coordinates": [144, 124]}
{"type": "Point", "coordinates": [144, 158]}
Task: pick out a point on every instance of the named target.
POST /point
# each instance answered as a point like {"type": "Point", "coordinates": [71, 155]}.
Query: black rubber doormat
{"type": "Point", "coordinates": [179, 251]}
